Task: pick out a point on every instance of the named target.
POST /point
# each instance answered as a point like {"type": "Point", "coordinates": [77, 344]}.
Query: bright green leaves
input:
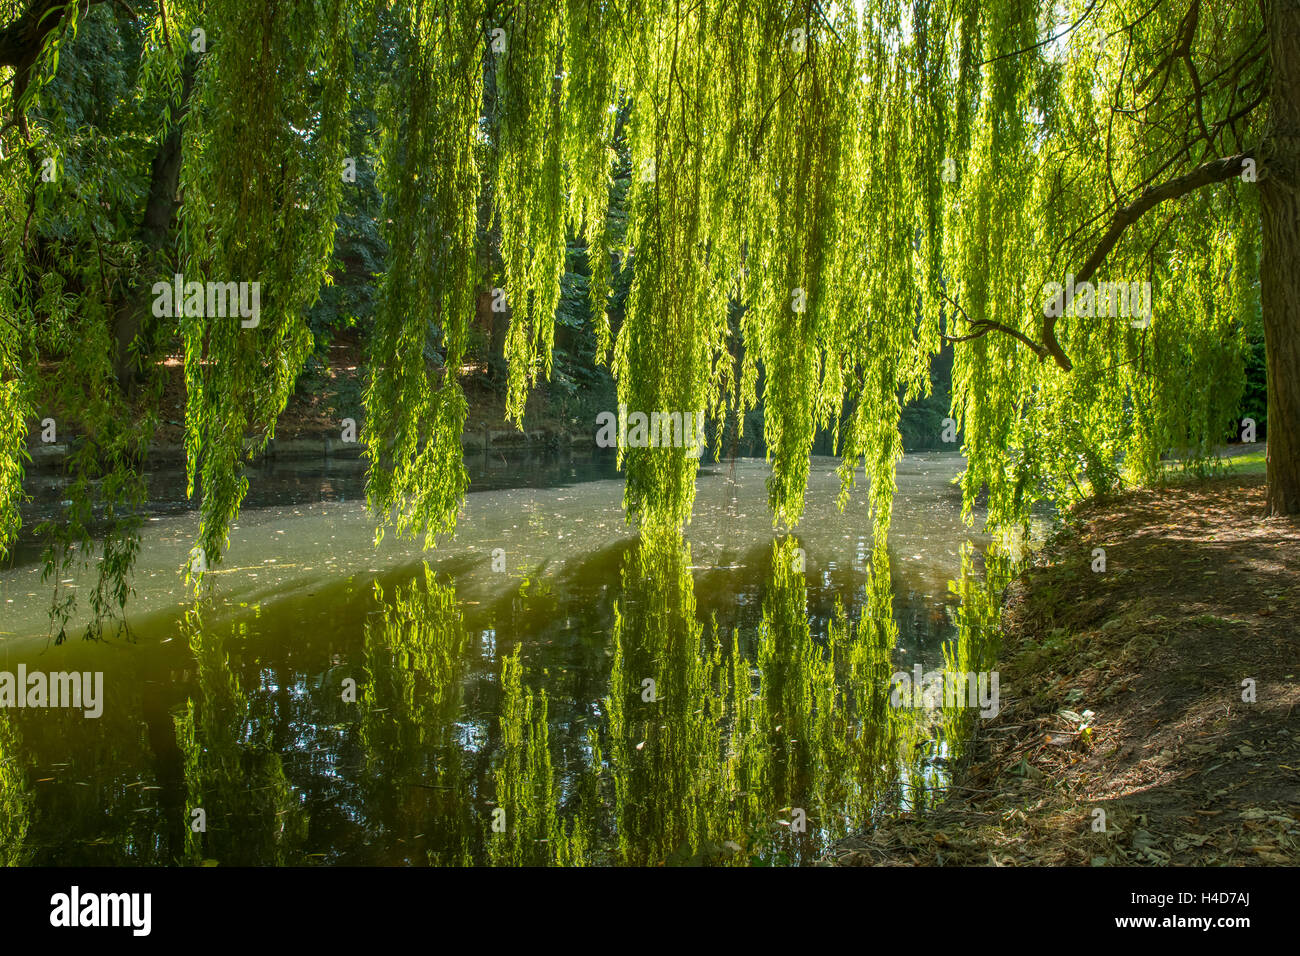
{"type": "Point", "coordinates": [592, 52]}
{"type": "Point", "coordinates": [677, 304]}
{"type": "Point", "coordinates": [261, 181]}
{"type": "Point", "coordinates": [415, 408]}
{"type": "Point", "coordinates": [1061, 134]}
{"type": "Point", "coordinates": [529, 186]}
{"type": "Point", "coordinates": [13, 451]}
{"type": "Point", "coordinates": [549, 127]}
{"type": "Point", "coordinates": [815, 188]}
{"type": "Point", "coordinates": [761, 177]}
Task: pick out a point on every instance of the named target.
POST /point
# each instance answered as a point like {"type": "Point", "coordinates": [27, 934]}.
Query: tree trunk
{"type": "Point", "coordinates": [1280, 266]}
{"type": "Point", "coordinates": [496, 325]}
{"type": "Point", "coordinates": [134, 316]}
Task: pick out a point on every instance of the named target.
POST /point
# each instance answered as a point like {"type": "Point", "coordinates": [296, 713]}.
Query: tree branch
{"type": "Point", "coordinates": [1042, 43]}
{"type": "Point", "coordinates": [982, 327]}
{"type": "Point", "coordinates": [1214, 171]}
{"type": "Point", "coordinates": [22, 40]}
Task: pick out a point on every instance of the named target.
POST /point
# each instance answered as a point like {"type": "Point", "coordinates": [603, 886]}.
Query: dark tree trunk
{"type": "Point", "coordinates": [134, 318]}
{"type": "Point", "coordinates": [1280, 266]}
{"type": "Point", "coordinates": [496, 324]}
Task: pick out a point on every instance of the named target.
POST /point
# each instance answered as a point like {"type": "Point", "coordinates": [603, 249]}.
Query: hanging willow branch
{"type": "Point", "coordinates": [803, 175]}
{"type": "Point", "coordinates": [984, 326]}
{"type": "Point", "coordinates": [1207, 173]}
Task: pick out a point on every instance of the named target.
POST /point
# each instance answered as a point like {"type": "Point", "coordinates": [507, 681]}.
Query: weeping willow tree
{"type": "Point", "coordinates": [261, 180]}
{"type": "Point", "coordinates": [1086, 166]}
{"type": "Point", "coordinates": [857, 182]}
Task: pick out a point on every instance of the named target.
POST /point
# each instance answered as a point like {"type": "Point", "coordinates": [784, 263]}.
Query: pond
{"type": "Point", "coordinates": [545, 688]}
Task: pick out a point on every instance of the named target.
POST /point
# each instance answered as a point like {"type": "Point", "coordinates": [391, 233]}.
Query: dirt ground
{"type": "Point", "coordinates": [1122, 691]}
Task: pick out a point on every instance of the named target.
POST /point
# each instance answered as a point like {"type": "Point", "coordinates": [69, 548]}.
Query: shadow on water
{"type": "Point", "coordinates": [629, 704]}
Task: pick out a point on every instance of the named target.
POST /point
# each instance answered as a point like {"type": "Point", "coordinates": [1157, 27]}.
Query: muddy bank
{"type": "Point", "coordinates": [1123, 737]}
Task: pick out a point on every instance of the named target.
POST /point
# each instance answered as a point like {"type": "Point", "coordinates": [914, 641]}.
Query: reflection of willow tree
{"type": "Point", "coordinates": [414, 665]}
{"type": "Point", "coordinates": [823, 711]}
{"type": "Point", "coordinates": [709, 766]}
{"type": "Point", "coordinates": [672, 783]}
{"type": "Point", "coordinates": [15, 798]}
{"type": "Point", "coordinates": [533, 834]}
{"type": "Point", "coordinates": [974, 648]}
{"type": "Point", "coordinates": [420, 774]}
{"type": "Point", "coordinates": [231, 770]}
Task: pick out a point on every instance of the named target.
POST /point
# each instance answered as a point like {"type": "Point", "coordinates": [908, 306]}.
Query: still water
{"type": "Point", "coordinates": [545, 688]}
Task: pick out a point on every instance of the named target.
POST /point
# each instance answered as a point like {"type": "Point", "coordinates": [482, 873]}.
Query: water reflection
{"type": "Point", "coordinates": [417, 766]}
{"type": "Point", "coordinates": [629, 708]}
{"type": "Point", "coordinates": [15, 798]}
{"type": "Point", "coordinates": [598, 717]}
{"type": "Point", "coordinates": [971, 649]}
{"type": "Point", "coordinates": [240, 807]}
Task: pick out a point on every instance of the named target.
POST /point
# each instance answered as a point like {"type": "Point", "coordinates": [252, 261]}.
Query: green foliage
{"type": "Point", "coordinates": [262, 183]}
{"type": "Point", "coordinates": [65, 259]}
{"type": "Point", "coordinates": [16, 798]}
{"type": "Point", "coordinates": [1046, 157]}
{"type": "Point", "coordinates": [785, 202]}
{"type": "Point", "coordinates": [429, 179]}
